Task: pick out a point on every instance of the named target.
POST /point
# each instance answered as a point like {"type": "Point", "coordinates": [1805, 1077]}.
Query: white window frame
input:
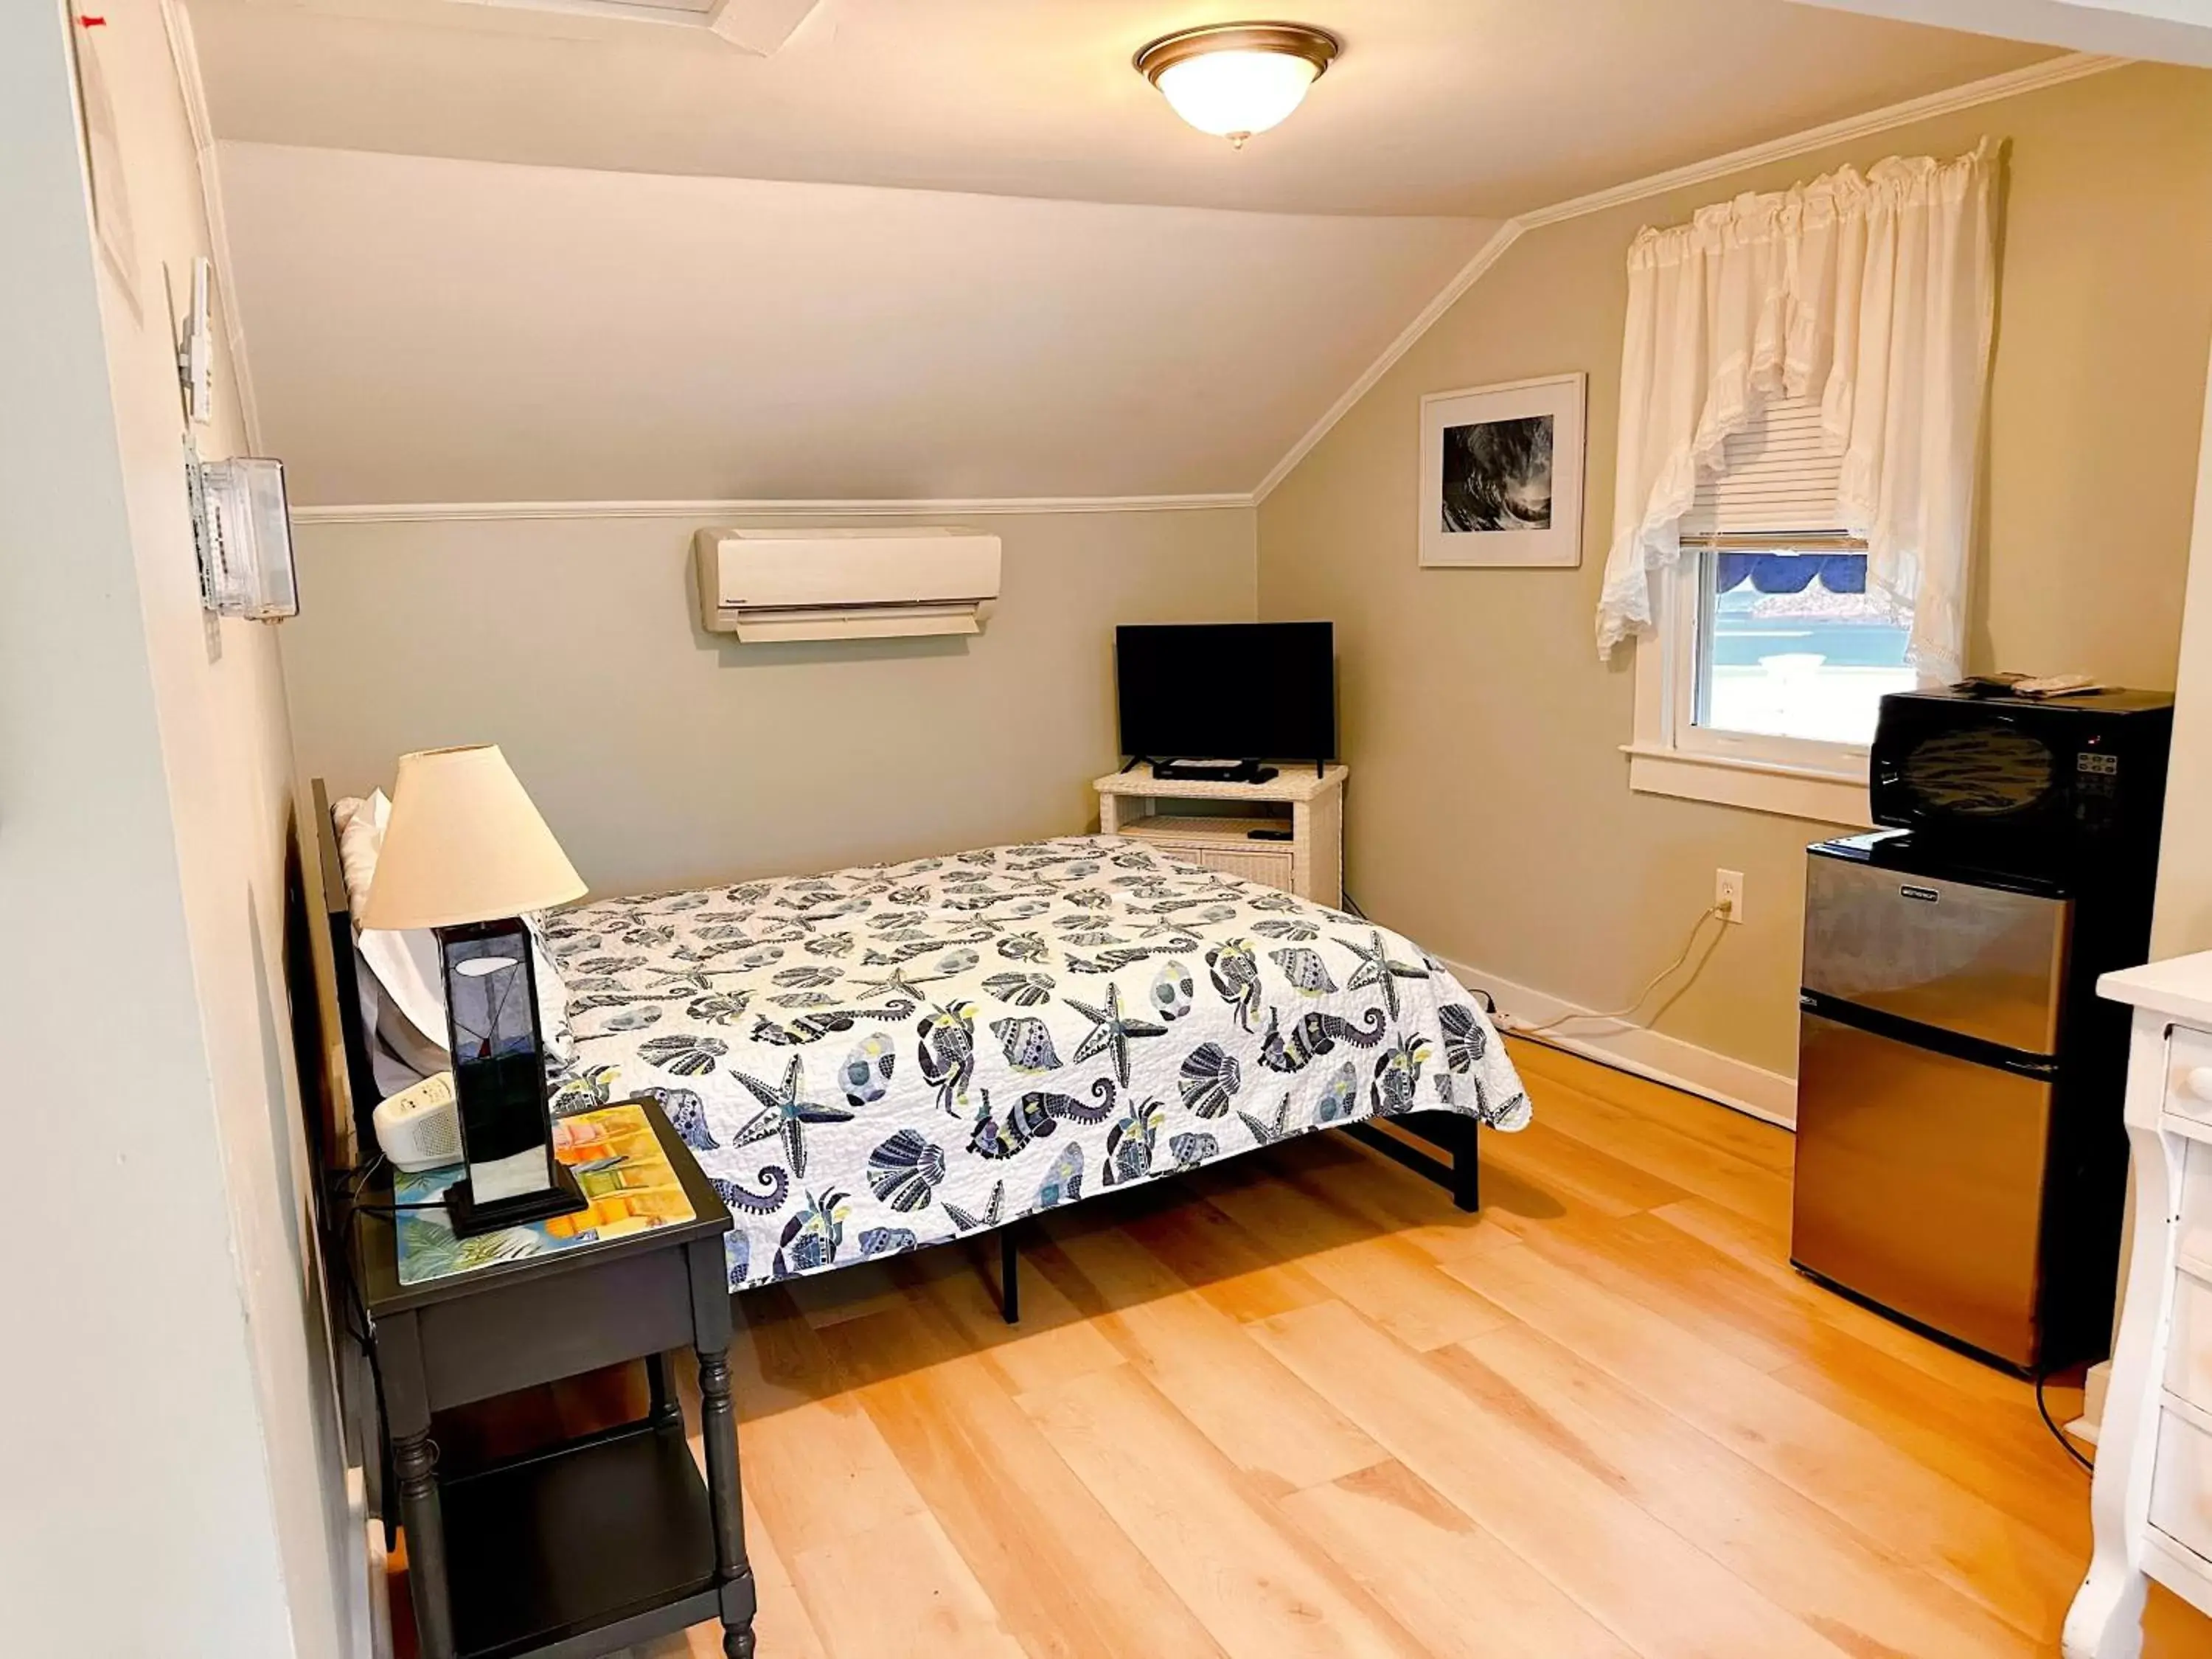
{"type": "Point", "coordinates": [1672, 754]}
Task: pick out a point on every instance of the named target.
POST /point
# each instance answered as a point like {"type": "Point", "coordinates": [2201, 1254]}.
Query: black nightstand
{"type": "Point", "coordinates": [597, 1543]}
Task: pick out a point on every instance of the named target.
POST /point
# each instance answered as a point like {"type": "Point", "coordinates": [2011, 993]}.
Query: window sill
{"type": "Point", "coordinates": [1816, 795]}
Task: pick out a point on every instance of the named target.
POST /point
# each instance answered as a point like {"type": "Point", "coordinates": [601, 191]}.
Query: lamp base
{"type": "Point", "coordinates": [469, 1217]}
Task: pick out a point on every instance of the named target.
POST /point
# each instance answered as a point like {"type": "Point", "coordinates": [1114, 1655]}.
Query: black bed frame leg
{"type": "Point", "coordinates": [1010, 1278]}
{"type": "Point", "coordinates": [1467, 1171]}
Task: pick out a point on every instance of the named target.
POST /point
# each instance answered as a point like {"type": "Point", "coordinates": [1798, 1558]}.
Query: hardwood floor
{"type": "Point", "coordinates": [1297, 1405]}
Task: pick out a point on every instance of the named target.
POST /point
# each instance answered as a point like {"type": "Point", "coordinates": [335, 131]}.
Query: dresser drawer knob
{"type": "Point", "coordinates": [2198, 1082]}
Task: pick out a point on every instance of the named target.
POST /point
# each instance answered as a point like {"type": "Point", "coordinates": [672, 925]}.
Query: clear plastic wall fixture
{"type": "Point", "coordinates": [244, 534]}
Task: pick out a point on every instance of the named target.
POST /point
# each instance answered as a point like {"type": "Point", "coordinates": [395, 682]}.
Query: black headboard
{"type": "Point", "coordinates": [359, 1069]}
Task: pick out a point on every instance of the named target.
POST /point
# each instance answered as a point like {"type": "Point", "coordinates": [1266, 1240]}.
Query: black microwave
{"type": "Point", "coordinates": [2032, 786]}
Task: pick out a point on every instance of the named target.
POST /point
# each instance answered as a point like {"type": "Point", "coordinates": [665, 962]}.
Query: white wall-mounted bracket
{"type": "Point", "coordinates": [196, 349]}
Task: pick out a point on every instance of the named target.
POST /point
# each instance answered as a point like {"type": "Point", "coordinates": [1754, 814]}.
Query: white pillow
{"type": "Point", "coordinates": [405, 964]}
{"type": "Point", "coordinates": [400, 1055]}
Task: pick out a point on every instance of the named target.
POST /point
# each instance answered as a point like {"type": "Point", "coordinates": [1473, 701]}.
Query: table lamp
{"type": "Point", "coordinates": [464, 855]}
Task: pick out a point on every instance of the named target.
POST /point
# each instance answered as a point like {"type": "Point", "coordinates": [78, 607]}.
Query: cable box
{"type": "Point", "coordinates": [1211, 771]}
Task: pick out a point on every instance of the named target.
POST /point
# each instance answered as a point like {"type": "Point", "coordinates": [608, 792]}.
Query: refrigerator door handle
{"type": "Point", "coordinates": [1878, 1022]}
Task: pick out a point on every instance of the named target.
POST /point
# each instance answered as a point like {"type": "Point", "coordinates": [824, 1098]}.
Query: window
{"type": "Point", "coordinates": [1772, 654]}
{"type": "Point", "coordinates": [1791, 644]}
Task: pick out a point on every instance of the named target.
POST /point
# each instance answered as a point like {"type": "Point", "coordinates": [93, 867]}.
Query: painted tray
{"type": "Point", "coordinates": [617, 1159]}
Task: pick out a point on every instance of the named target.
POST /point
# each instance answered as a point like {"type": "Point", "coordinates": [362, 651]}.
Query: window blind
{"type": "Point", "coordinates": [1777, 478]}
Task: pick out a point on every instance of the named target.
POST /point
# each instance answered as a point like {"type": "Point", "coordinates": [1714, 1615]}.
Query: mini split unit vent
{"type": "Point", "coordinates": [764, 585]}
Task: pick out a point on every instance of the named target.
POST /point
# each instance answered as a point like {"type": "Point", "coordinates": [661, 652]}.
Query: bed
{"type": "Point", "coordinates": [887, 1058]}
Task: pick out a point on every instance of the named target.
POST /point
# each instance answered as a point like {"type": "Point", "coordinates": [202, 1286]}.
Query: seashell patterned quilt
{"type": "Point", "coordinates": [888, 1057]}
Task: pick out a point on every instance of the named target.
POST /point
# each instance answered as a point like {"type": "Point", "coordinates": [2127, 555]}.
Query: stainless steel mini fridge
{"type": "Point", "coordinates": [1928, 1070]}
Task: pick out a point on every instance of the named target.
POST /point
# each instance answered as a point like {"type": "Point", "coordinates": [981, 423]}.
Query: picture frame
{"type": "Point", "coordinates": [1502, 474]}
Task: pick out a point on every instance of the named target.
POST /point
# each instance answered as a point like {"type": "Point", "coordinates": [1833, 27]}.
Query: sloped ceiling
{"type": "Point", "coordinates": [927, 248]}
{"type": "Point", "coordinates": [2164, 31]}
{"type": "Point", "coordinates": [428, 330]}
{"type": "Point", "coordinates": [1475, 108]}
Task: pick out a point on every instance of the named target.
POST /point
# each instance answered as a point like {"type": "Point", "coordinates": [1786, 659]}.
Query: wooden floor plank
{"type": "Point", "coordinates": [1225, 1264]}
{"type": "Point", "coordinates": [1064, 1580]}
{"type": "Point", "coordinates": [1462, 1593]}
{"type": "Point", "coordinates": [1204, 1363]}
{"type": "Point", "coordinates": [815, 1468]}
{"type": "Point", "coordinates": [1052, 1341]}
{"type": "Point", "coordinates": [1392, 1199]}
{"type": "Point", "coordinates": [1694, 1165]}
{"type": "Point", "coordinates": [1990, 1441]}
{"type": "Point", "coordinates": [1612, 1253]}
{"type": "Point", "coordinates": [1738, 1134]}
{"type": "Point", "coordinates": [1302, 1404]}
{"type": "Point", "coordinates": [826, 1298]}
{"type": "Point", "coordinates": [1919, 1512]}
{"type": "Point", "coordinates": [775, 1362]}
{"type": "Point", "coordinates": [1563, 1513]}
{"type": "Point", "coordinates": [2006, 1454]}
{"type": "Point", "coordinates": [899, 1587]}
{"type": "Point", "coordinates": [1392, 1283]}
{"type": "Point", "coordinates": [780, 1625]}
{"type": "Point", "coordinates": [1831, 1577]}
{"type": "Point", "coordinates": [1561, 1167]}
{"type": "Point", "coordinates": [1765, 1253]}
{"type": "Point", "coordinates": [1262, 1592]}
{"type": "Point", "coordinates": [780, 1618]}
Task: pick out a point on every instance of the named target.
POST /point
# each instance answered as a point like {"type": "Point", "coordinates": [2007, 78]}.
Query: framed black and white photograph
{"type": "Point", "coordinates": [1501, 474]}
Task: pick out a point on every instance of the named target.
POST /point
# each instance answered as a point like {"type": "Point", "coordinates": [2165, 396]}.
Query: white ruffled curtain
{"type": "Point", "coordinates": [1873, 293]}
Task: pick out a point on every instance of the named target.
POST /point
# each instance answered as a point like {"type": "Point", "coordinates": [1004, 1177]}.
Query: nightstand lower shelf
{"type": "Point", "coordinates": [567, 1546]}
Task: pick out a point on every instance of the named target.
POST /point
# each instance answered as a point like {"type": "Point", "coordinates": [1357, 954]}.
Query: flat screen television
{"type": "Point", "coordinates": [1228, 690]}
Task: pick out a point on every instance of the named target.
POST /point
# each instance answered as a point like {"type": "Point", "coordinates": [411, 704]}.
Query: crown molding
{"type": "Point", "coordinates": [1467, 277]}
{"type": "Point", "coordinates": [483, 512]}
{"type": "Point", "coordinates": [2050, 72]}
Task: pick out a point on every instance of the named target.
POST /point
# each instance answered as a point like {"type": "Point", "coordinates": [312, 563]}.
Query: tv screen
{"type": "Point", "coordinates": [1228, 690]}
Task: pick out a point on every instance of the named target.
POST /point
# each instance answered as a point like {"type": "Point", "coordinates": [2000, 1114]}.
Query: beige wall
{"type": "Point", "coordinates": [1490, 810]}
{"type": "Point", "coordinates": [2183, 921]}
{"type": "Point", "coordinates": [662, 755]}
{"type": "Point", "coordinates": [188, 1499]}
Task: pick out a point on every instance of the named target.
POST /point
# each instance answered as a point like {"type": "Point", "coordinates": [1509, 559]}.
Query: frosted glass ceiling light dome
{"type": "Point", "coordinates": [1235, 79]}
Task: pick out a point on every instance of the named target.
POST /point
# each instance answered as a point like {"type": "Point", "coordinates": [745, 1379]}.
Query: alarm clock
{"type": "Point", "coordinates": [419, 1128]}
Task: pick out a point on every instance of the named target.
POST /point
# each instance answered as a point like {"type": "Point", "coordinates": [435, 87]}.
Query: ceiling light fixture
{"type": "Point", "coordinates": [1235, 79]}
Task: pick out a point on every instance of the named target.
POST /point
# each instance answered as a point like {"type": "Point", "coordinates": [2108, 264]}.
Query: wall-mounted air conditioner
{"type": "Point", "coordinates": [764, 585]}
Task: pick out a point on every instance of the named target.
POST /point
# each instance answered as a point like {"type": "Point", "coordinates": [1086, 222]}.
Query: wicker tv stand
{"type": "Point", "coordinates": [1214, 830]}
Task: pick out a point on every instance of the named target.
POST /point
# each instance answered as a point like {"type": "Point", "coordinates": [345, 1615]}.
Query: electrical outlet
{"type": "Point", "coordinates": [1727, 894]}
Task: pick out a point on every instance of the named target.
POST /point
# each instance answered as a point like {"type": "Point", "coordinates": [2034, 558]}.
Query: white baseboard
{"type": "Point", "coordinates": [2093, 1387]}
{"type": "Point", "coordinates": [1646, 1053]}
{"type": "Point", "coordinates": [368, 1596]}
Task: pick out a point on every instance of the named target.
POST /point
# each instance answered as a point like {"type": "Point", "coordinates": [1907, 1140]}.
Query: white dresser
{"type": "Point", "coordinates": [2151, 1503]}
{"type": "Point", "coordinates": [1303, 807]}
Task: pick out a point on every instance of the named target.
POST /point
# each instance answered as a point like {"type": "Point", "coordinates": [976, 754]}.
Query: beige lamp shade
{"type": "Point", "coordinates": [465, 844]}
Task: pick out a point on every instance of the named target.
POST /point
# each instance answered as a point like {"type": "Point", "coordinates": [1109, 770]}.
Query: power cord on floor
{"type": "Point", "coordinates": [1489, 1007]}
{"type": "Point", "coordinates": [1598, 1056]}
{"type": "Point", "coordinates": [1532, 1031]}
{"type": "Point", "coordinates": [1516, 1027]}
{"type": "Point", "coordinates": [2051, 1424]}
